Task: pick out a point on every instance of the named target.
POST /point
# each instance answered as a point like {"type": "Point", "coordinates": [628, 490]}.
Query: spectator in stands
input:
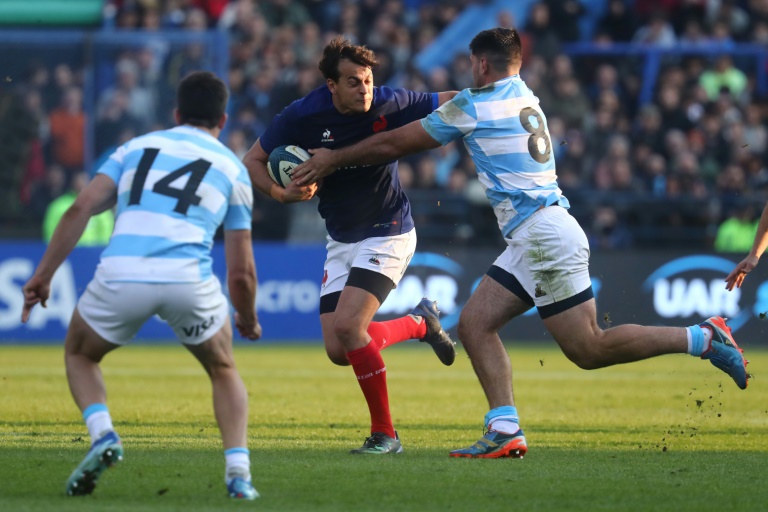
{"type": "Point", "coordinates": [238, 143]}
{"type": "Point", "coordinates": [694, 34]}
{"type": "Point", "coordinates": [183, 63]}
{"type": "Point", "coordinates": [603, 128]}
{"type": "Point", "coordinates": [731, 188]}
{"type": "Point", "coordinates": [755, 131]}
{"type": "Point", "coordinates": [606, 79]}
{"type": "Point", "coordinates": [654, 175]}
{"type": "Point", "coordinates": [715, 146]}
{"type": "Point", "coordinates": [68, 130]}
{"type": "Point", "coordinates": [738, 231]}
{"type": "Point", "coordinates": [45, 192]}
{"type": "Point", "coordinates": [260, 91]}
{"type": "Point", "coordinates": [140, 103]}
{"type": "Point", "coordinates": [572, 167]}
{"type": "Point", "coordinates": [545, 38]}
{"type": "Point", "coordinates": [723, 75]}
{"type": "Point", "coordinates": [565, 16]}
{"type": "Point", "coordinates": [734, 18]}
{"type": "Point", "coordinates": [406, 174]}
{"type": "Point", "coordinates": [656, 33]}
{"type": "Point", "coordinates": [113, 119]}
{"type": "Point", "coordinates": [757, 172]}
{"type": "Point", "coordinates": [617, 23]}
{"type": "Point", "coordinates": [607, 231]}
{"type": "Point", "coordinates": [673, 117]}
{"type": "Point", "coordinates": [649, 128]}
{"type": "Point", "coordinates": [570, 103]}
{"type": "Point", "coordinates": [99, 228]}
{"type": "Point", "coordinates": [759, 33]}
{"type": "Point", "coordinates": [284, 12]}
{"type": "Point", "coordinates": [33, 102]}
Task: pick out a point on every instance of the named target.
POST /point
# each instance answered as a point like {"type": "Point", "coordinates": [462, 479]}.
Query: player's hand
{"type": "Point", "coordinates": [737, 275]}
{"type": "Point", "coordinates": [318, 167]}
{"type": "Point", "coordinates": [36, 290]}
{"type": "Point", "coordinates": [295, 193]}
{"type": "Point", "coordinates": [250, 330]}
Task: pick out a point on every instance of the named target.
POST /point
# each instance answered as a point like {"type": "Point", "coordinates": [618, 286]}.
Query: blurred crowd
{"type": "Point", "coordinates": [672, 168]}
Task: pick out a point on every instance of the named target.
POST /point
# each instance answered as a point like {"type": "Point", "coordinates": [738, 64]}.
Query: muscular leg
{"type": "Point", "coordinates": [230, 398]}
{"type": "Point", "coordinates": [83, 351]}
{"type": "Point", "coordinates": [353, 313]}
{"type": "Point", "coordinates": [333, 347]}
{"type": "Point", "coordinates": [589, 347]}
{"type": "Point", "coordinates": [489, 308]}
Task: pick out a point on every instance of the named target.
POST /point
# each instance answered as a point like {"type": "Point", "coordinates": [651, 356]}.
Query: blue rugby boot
{"type": "Point", "coordinates": [104, 453]}
{"type": "Point", "coordinates": [437, 338]}
{"type": "Point", "coordinates": [495, 445]}
{"type": "Point", "coordinates": [241, 489]}
{"type": "Point", "coordinates": [724, 353]}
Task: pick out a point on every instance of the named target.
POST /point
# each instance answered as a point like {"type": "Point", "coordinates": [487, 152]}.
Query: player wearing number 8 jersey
{"type": "Point", "coordinates": [173, 189]}
{"type": "Point", "coordinates": [546, 260]}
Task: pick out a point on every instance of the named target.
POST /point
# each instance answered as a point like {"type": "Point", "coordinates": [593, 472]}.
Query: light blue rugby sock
{"type": "Point", "coordinates": [696, 342]}
{"type": "Point", "coordinates": [503, 419]}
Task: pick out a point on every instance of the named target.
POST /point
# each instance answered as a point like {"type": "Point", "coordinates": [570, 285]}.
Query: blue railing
{"type": "Point", "coordinates": [654, 56]}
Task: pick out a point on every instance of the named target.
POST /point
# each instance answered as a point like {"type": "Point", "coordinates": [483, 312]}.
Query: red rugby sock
{"type": "Point", "coordinates": [384, 334]}
{"type": "Point", "coordinates": [372, 377]}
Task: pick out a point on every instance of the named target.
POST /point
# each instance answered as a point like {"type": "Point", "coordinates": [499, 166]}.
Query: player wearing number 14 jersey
{"type": "Point", "coordinates": [172, 189]}
{"type": "Point", "coordinates": [546, 262]}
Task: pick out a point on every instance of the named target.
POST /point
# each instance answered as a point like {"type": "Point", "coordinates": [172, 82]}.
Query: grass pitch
{"type": "Point", "coordinates": [672, 433]}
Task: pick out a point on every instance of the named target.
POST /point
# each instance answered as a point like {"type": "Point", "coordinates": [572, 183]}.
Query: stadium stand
{"type": "Point", "coordinates": [658, 108]}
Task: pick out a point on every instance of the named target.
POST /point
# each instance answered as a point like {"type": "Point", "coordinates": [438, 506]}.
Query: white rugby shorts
{"type": "Point", "coordinates": [116, 310]}
{"type": "Point", "coordinates": [549, 255]}
{"type": "Point", "coordinates": [386, 255]}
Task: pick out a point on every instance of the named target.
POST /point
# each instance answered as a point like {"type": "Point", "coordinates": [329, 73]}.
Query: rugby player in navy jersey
{"type": "Point", "coordinates": [546, 263]}
{"type": "Point", "coordinates": [371, 236]}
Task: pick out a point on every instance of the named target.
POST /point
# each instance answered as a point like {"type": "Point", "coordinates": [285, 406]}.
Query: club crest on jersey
{"type": "Point", "coordinates": [327, 137]}
{"type": "Point", "coordinates": [374, 260]}
{"type": "Point", "coordinates": [380, 125]}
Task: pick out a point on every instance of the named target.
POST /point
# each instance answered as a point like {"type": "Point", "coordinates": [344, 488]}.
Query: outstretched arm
{"type": "Point", "coordinates": [98, 196]}
{"type": "Point", "coordinates": [737, 275]}
{"type": "Point", "coordinates": [380, 148]}
{"type": "Point", "coordinates": [442, 97]}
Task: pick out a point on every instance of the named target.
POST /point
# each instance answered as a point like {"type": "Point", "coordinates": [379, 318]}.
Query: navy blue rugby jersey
{"type": "Point", "coordinates": [357, 202]}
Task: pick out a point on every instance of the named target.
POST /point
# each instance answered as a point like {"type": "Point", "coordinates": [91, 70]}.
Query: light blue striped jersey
{"type": "Point", "coordinates": [506, 135]}
{"type": "Point", "coordinates": [174, 189]}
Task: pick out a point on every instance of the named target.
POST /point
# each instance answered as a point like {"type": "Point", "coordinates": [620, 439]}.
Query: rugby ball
{"type": "Point", "coordinates": [282, 161]}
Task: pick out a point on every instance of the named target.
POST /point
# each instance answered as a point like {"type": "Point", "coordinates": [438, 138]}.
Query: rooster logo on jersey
{"type": "Point", "coordinates": [380, 125]}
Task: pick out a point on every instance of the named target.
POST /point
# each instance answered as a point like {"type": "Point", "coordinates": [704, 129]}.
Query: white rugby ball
{"type": "Point", "coordinates": [282, 161]}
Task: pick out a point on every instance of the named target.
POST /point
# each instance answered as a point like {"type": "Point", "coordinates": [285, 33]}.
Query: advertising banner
{"type": "Point", "coordinates": [650, 288]}
{"type": "Point", "coordinates": [288, 296]}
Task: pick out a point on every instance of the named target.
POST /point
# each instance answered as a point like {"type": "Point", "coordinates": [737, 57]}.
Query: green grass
{"type": "Point", "coordinates": [671, 434]}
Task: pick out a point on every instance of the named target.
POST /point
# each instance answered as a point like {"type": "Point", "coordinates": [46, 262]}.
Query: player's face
{"type": "Point", "coordinates": [353, 92]}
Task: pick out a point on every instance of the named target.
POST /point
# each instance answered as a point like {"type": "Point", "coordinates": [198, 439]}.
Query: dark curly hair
{"type": "Point", "coordinates": [500, 46]}
{"type": "Point", "coordinates": [341, 48]}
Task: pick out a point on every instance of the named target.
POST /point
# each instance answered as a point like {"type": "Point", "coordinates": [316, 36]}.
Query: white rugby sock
{"type": "Point", "coordinates": [504, 426]}
{"type": "Point", "coordinates": [98, 424]}
{"type": "Point", "coordinates": [238, 463]}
